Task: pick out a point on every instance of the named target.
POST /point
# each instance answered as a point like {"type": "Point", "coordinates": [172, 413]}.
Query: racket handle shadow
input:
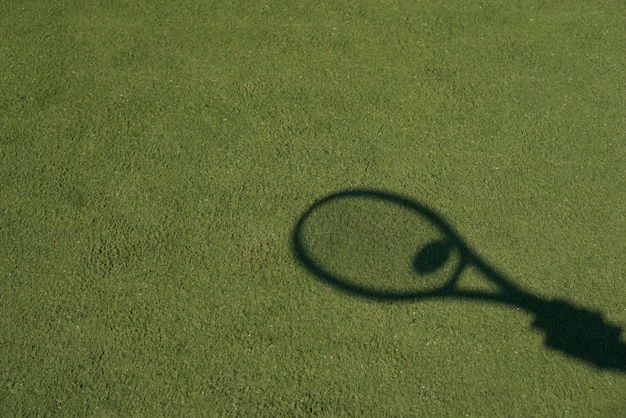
{"type": "Point", "coordinates": [582, 334]}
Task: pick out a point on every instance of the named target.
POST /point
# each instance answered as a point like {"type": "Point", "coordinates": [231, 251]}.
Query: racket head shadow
{"type": "Point", "coordinates": [379, 245]}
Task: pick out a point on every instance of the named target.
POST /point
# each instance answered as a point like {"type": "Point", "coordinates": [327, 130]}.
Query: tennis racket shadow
{"type": "Point", "coordinates": [574, 331]}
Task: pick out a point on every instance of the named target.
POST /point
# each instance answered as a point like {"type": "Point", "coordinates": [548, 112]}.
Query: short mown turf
{"type": "Point", "coordinates": [156, 157]}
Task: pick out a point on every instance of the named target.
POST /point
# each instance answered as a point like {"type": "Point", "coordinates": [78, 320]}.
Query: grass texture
{"type": "Point", "coordinates": [155, 157]}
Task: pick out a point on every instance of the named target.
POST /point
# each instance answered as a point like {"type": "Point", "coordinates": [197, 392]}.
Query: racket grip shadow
{"type": "Point", "coordinates": [582, 334]}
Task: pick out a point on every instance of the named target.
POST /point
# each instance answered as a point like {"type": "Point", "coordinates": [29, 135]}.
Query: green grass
{"type": "Point", "coordinates": [156, 156]}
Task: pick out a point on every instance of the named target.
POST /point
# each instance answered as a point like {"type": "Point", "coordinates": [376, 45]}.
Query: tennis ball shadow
{"type": "Point", "coordinates": [432, 257]}
{"type": "Point", "coordinates": [382, 246]}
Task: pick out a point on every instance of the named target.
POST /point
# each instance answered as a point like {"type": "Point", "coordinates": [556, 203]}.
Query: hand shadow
{"type": "Point", "coordinates": [574, 331]}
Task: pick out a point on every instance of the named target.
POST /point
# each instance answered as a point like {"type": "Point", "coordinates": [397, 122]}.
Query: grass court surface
{"type": "Point", "coordinates": [156, 157]}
